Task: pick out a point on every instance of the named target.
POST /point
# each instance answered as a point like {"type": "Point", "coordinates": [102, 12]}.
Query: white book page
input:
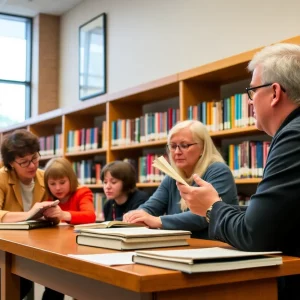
{"type": "Point", "coordinates": [108, 259]}
{"type": "Point", "coordinates": [162, 164]}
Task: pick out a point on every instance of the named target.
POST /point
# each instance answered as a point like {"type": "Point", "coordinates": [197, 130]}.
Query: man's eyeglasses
{"type": "Point", "coordinates": [252, 90]}
{"type": "Point", "coordinates": [172, 147]}
{"type": "Point", "coordinates": [35, 159]}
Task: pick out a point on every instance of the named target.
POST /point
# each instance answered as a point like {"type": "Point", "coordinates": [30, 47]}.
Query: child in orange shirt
{"type": "Point", "coordinates": [76, 202]}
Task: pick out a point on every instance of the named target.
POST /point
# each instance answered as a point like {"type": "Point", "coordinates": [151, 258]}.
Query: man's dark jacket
{"type": "Point", "coordinates": [272, 220]}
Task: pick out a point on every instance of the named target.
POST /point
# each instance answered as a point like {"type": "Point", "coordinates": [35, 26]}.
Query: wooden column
{"type": "Point", "coordinates": [45, 63]}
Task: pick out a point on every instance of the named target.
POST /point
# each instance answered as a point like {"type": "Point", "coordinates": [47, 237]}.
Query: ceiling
{"type": "Point", "coordinates": [31, 8]}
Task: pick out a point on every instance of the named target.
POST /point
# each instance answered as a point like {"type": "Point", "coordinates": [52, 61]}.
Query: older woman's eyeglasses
{"type": "Point", "coordinates": [35, 159]}
{"type": "Point", "coordinates": [252, 90]}
{"type": "Point", "coordinates": [182, 147]}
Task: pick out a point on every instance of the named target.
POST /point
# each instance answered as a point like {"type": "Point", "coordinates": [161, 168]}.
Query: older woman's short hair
{"type": "Point", "coordinates": [19, 143]}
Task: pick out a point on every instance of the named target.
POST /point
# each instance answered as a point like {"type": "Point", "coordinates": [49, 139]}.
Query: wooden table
{"type": "Point", "coordinates": [41, 256]}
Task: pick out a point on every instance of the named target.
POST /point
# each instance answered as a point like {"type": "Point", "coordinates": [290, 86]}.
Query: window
{"type": "Point", "coordinates": [15, 69]}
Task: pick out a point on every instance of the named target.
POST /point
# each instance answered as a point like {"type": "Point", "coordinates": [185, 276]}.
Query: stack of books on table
{"type": "Point", "coordinates": [206, 259]}
{"type": "Point", "coordinates": [132, 238]}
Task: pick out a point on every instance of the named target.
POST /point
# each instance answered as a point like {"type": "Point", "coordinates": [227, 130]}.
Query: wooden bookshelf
{"type": "Point", "coordinates": [148, 185]}
{"type": "Point", "coordinates": [156, 184]}
{"type": "Point", "coordinates": [235, 132]}
{"type": "Point", "coordinates": [248, 181]}
{"type": "Point", "coordinates": [94, 186]}
{"type": "Point", "coordinates": [184, 89]}
{"type": "Point", "coordinates": [141, 145]}
{"type": "Point", "coordinates": [86, 153]}
{"type": "Point", "coordinates": [45, 158]}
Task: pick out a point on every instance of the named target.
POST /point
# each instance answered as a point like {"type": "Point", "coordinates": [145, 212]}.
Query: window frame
{"type": "Point", "coordinates": [28, 77]}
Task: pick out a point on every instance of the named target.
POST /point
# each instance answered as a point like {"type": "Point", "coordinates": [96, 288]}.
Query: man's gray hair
{"type": "Point", "coordinates": [280, 63]}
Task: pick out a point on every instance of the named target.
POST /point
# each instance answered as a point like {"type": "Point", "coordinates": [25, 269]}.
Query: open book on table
{"type": "Point", "coordinates": [107, 224]}
{"type": "Point", "coordinates": [162, 164]}
{"type": "Point", "coordinates": [132, 238]}
{"type": "Point", "coordinates": [206, 259]}
{"type": "Point", "coordinates": [38, 213]}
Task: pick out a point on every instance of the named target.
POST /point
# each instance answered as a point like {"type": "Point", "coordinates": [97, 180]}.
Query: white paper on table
{"type": "Point", "coordinates": [109, 259]}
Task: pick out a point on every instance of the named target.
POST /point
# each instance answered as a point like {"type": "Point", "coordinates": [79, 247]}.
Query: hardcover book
{"type": "Point", "coordinates": [26, 225]}
{"type": "Point", "coordinates": [132, 238]}
{"type": "Point", "coordinates": [206, 259]}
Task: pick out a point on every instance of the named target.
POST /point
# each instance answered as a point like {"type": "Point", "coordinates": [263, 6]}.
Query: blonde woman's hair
{"type": "Point", "coordinates": [210, 153]}
{"type": "Point", "coordinates": [57, 168]}
{"type": "Point", "coordinates": [280, 63]}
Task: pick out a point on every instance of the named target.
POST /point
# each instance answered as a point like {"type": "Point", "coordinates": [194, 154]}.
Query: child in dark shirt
{"type": "Point", "coordinates": [119, 183]}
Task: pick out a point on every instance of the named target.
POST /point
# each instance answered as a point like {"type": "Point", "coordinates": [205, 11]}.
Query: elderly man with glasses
{"type": "Point", "coordinates": [272, 220]}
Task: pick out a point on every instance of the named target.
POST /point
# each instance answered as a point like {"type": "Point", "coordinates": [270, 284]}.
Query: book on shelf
{"type": "Point", "coordinates": [132, 238]}
{"type": "Point", "coordinates": [27, 225]}
{"type": "Point", "coordinates": [206, 259]}
{"type": "Point", "coordinates": [162, 164]}
{"type": "Point", "coordinates": [38, 213]}
{"type": "Point", "coordinates": [107, 224]}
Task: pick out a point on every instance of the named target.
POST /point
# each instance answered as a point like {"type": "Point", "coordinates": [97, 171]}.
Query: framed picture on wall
{"type": "Point", "coordinates": [92, 58]}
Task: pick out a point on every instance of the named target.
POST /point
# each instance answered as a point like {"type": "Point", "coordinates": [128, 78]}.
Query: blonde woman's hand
{"type": "Point", "coordinates": [140, 216]}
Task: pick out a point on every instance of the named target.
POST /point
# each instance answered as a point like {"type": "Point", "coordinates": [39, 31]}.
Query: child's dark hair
{"type": "Point", "coordinates": [19, 143]}
{"type": "Point", "coordinates": [123, 171]}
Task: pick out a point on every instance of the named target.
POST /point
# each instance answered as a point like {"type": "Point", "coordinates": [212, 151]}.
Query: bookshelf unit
{"type": "Point", "coordinates": [188, 88]}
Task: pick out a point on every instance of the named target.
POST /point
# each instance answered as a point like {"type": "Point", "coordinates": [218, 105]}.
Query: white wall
{"type": "Point", "coordinates": [150, 39]}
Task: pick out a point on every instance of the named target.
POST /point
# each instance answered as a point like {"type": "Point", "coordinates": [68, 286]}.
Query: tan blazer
{"type": "Point", "coordinates": [11, 195]}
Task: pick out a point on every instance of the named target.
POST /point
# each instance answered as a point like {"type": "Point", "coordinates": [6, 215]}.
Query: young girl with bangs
{"type": "Point", "coordinates": [76, 204]}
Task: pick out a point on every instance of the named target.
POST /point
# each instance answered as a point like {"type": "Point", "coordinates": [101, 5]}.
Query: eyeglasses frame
{"type": "Point", "coordinates": [179, 146]}
{"type": "Point", "coordinates": [30, 161]}
{"type": "Point", "coordinates": [252, 88]}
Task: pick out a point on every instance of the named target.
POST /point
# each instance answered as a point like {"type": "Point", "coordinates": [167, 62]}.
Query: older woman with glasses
{"type": "Point", "coordinates": [21, 182]}
{"type": "Point", "coordinates": [191, 150]}
{"type": "Point", "coordinates": [22, 188]}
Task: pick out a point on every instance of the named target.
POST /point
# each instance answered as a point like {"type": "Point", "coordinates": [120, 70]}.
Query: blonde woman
{"type": "Point", "coordinates": [191, 150]}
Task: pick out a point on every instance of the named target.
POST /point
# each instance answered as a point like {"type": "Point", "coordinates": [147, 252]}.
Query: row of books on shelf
{"type": "Point", "coordinates": [51, 145]}
{"type": "Point", "coordinates": [87, 138]}
{"type": "Point", "coordinates": [150, 127]}
{"type": "Point", "coordinates": [87, 171]}
{"type": "Point", "coordinates": [228, 113]}
{"type": "Point", "coordinates": [147, 172]}
{"type": "Point", "coordinates": [248, 159]}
